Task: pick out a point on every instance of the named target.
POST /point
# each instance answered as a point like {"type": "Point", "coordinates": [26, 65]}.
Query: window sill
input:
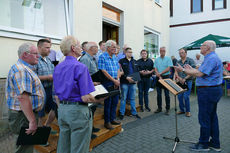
{"type": "Point", "coordinates": [158, 4]}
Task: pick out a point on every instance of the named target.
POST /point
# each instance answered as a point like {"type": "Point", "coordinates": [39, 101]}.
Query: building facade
{"type": "Point", "coordinates": [193, 19]}
{"type": "Point", "coordinates": [138, 23]}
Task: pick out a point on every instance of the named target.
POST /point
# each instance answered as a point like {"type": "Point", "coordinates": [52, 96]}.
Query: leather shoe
{"type": "Point", "coordinates": [115, 122]}
{"type": "Point", "coordinates": [158, 111]}
{"type": "Point", "coordinates": [96, 129]}
{"type": "Point", "coordinates": [121, 117]}
{"type": "Point", "coordinates": [180, 112]}
{"type": "Point", "coordinates": [167, 112]}
{"type": "Point", "coordinates": [108, 126]}
{"type": "Point", "coordinates": [187, 114]}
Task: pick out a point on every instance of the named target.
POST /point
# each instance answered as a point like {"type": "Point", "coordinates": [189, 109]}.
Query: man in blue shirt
{"type": "Point", "coordinates": [209, 91]}
{"type": "Point", "coordinates": [162, 70]}
{"type": "Point", "coordinates": [108, 63]}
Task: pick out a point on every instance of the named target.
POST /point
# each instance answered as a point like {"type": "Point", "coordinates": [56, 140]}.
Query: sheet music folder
{"type": "Point", "coordinates": [172, 86]}
{"type": "Point", "coordinates": [101, 92]}
{"type": "Point", "coordinates": [39, 138]}
{"type": "Point", "coordinates": [99, 77]}
{"type": "Point", "coordinates": [135, 76]}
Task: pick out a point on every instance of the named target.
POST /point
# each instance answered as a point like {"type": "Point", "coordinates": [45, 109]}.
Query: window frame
{"type": "Point", "coordinates": [158, 3]}
{"type": "Point", "coordinates": [156, 33]}
{"type": "Point", "coordinates": [16, 33]}
{"type": "Point", "coordinates": [201, 5]}
{"type": "Point", "coordinates": [171, 8]}
{"type": "Point", "coordinates": [224, 6]}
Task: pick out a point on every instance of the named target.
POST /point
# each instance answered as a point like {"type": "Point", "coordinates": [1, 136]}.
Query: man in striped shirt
{"type": "Point", "coordinates": [24, 94]}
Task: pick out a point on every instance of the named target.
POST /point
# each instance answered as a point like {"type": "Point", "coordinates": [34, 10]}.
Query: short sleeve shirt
{"type": "Point", "coordinates": [162, 63]}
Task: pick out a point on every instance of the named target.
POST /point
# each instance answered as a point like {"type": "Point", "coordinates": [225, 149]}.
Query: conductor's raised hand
{"type": "Point", "coordinates": [187, 66]}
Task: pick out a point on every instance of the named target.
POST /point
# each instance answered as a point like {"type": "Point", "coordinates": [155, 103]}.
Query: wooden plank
{"type": "Point", "coordinates": [173, 91]}
{"type": "Point", "coordinates": [51, 148]}
{"type": "Point", "coordinates": [104, 134]}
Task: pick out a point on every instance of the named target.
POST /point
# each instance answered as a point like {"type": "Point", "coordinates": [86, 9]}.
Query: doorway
{"type": "Point", "coordinates": [110, 32]}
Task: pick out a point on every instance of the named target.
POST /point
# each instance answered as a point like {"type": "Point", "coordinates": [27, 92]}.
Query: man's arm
{"type": "Point", "coordinates": [46, 77]}
{"type": "Point", "coordinates": [26, 107]}
{"type": "Point", "coordinates": [189, 70]}
{"type": "Point", "coordinates": [116, 82]}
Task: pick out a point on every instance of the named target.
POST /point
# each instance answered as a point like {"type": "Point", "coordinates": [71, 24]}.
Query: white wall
{"type": "Point", "coordinates": [184, 35]}
{"type": "Point", "coordinates": [182, 13]}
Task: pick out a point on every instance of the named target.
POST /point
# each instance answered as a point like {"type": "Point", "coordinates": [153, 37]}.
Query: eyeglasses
{"type": "Point", "coordinates": [33, 53]}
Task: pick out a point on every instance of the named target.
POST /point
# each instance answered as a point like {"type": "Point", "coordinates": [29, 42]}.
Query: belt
{"type": "Point", "coordinates": [73, 103]}
{"type": "Point", "coordinates": [208, 86]}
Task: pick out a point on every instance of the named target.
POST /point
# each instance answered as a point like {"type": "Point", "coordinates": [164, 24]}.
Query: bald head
{"type": "Point", "coordinates": [92, 48]}
{"type": "Point", "coordinates": [207, 47]}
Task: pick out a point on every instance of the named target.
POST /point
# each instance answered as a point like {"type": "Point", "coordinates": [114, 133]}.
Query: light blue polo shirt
{"type": "Point", "coordinates": [212, 68]}
{"type": "Point", "coordinates": [162, 63]}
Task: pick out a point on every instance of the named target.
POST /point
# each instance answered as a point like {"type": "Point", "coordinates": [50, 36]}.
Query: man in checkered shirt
{"type": "Point", "coordinates": [24, 94]}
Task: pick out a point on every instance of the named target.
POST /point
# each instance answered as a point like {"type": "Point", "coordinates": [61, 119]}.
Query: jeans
{"type": "Point", "coordinates": [183, 98]}
{"type": "Point", "coordinates": [128, 89]}
{"type": "Point", "coordinates": [159, 98]}
{"type": "Point", "coordinates": [143, 89]}
{"type": "Point", "coordinates": [207, 103]}
{"type": "Point", "coordinates": [49, 103]}
{"type": "Point", "coordinates": [110, 105]}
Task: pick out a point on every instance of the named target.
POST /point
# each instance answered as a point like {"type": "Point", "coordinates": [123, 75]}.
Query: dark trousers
{"type": "Point", "coordinates": [207, 103]}
{"type": "Point", "coordinates": [17, 119]}
{"type": "Point", "coordinates": [110, 104]}
{"type": "Point", "coordinates": [143, 91]}
{"type": "Point", "coordinates": [159, 95]}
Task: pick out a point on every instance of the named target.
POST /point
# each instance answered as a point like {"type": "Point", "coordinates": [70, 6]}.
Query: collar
{"type": "Point", "coordinates": [25, 63]}
{"type": "Point", "coordinates": [70, 58]}
{"type": "Point", "coordinates": [107, 55]}
{"type": "Point", "coordinates": [91, 57]}
{"type": "Point", "coordinates": [209, 54]}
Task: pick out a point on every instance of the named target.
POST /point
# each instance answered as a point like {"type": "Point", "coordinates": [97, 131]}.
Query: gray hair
{"type": "Point", "coordinates": [89, 45]}
{"type": "Point", "coordinates": [211, 44]}
{"type": "Point", "coordinates": [109, 43]}
{"type": "Point", "coordinates": [25, 47]}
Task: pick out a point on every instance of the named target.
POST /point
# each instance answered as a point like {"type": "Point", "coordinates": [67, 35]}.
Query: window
{"type": "Point", "coordinates": [196, 6]}
{"type": "Point", "coordinates": [34, 17]}
{"type": "Point", "coordinates": [158, 2]}
{"type": "Point", "coordinates": [171, 8]}
{"type": "Point", "coordinates": [219, 4]}
{"type": "Point", "coordinates": [151, 43]}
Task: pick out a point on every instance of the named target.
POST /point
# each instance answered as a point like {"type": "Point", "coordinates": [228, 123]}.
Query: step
{"type": "Point", "coordinates": [51, 148]}
{"type": "Point", "coordinates": [104, 134]}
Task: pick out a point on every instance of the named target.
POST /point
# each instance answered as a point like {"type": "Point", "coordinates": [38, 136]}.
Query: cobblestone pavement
{"type": "Point", "coordinates": [146, 135]}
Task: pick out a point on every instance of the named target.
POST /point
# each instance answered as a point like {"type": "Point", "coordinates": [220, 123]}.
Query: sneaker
{"type": "Point", "coordinates": [167, 112]}
{"type": "Point", "coordinates": [158, 111]}
{"type": "Point", "coordinates": [121, 117]}
{"type": "Point", "coordinates": [137, 116]}
{"type": "Point", "coordinates": [148, 109]}
{"type": "Point", "coordinates": [218, 149]}
{"type": "Point", "coordinates": [199, 147]}
{"type": "Point", "coordinates": [151, 89]}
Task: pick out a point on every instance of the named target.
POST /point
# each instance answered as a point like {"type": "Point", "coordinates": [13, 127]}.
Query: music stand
{"type": "Point", "coordinates": [175, 90]}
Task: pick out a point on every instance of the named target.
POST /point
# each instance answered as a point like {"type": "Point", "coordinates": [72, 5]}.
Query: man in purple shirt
{"type": "Point", "coordinates": [73, 85]}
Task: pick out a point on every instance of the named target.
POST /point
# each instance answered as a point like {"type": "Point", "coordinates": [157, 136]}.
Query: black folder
{"type": "Point", "coordinates": [135, 76]}
{"type": "Point", "coordinates": [99, 77]}
{"type": "Point", "coordinates": [39, 138]}
{"type": "Point", "coordinates": [109, 94]}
